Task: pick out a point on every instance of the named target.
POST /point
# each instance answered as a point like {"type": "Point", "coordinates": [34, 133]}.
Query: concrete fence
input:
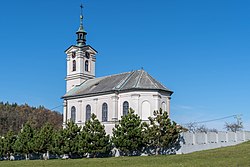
{"type": "Point", "coordinates": [191, 142]}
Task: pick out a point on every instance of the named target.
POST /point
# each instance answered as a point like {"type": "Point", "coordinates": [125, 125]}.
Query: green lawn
{"type": "Point", "coordinates": [224, 157]}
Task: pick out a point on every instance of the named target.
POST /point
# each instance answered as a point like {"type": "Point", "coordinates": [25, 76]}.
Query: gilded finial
{"type": "Point", "coordinates": [81, 16]}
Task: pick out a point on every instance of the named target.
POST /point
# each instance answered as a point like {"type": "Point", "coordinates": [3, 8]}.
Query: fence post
{"type": "Point", "coordinates": [216, 137]}
{"type": "Point", "coordinates": [244, 135]}
{"type": "Point", "coordinates": [194, 141]}
{"type": "Point", "coordinates": [206, 142]}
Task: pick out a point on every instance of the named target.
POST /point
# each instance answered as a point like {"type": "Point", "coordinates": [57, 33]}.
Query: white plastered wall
{"type": "Point", "coordinates": [115, 102]}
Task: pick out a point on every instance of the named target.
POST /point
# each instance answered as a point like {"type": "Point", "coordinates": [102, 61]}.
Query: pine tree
{"type": "Point", "coordinates": [57, 142]}
{"type": "Point", "coordinates": [43, 139]}
{"type": "Point", "coordinates": [127, 135]}
{"type": "Point", "coordinates": [83, 144]}
{"type": "Point", "coordinates": [24, 142]}
{"type": "Point", "coordinates": [94, 138]}
{"type": "Point", "coordinates": [161, 134]}
{"type": "Point", "coordinates": [66, 141]}
{"type": "Point", "coordinates": [8, 143]}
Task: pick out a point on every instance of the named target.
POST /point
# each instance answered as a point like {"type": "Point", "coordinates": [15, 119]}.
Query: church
{"type": "Point", "coordinates": [108, 97]}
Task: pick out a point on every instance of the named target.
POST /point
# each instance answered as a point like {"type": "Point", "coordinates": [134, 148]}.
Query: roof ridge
{"type": "Point", "coordinates": [120, 83]}
{"type": "Point", "coordinates": [126, 80]}
{"type": "Point", "coordinates": [139, 79]}
{"type": "Point", "coordinates": [158, 82]}
{"type": "Point", "coordinates": [150, 78]}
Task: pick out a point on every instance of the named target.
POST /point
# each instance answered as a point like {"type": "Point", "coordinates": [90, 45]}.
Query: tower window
{"type": "Point", "coordinates": [88, 112]}
{"type": "Point", "coordinates": [87, 55]}
{"type": "Point", "coordinates": [80, 36]}
{"type": "Point", "coordinates": [104, 112]}
{"type": "Point", "coordinates": [74, 65]}
{"type": "Point", "coordinates": [125, 108]}
{"type": "Point", "coordinates": [86, 65]}
{"type": "Point", "coordinates": [73, 114]}
{"type": "Point", "coordinates": [73, 55]}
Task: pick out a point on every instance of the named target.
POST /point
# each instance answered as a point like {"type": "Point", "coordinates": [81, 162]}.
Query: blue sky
{"type": "Point", "coordinates": [198, 49]}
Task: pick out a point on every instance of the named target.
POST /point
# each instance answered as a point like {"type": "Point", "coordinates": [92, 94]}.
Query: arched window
{"type": "Point", "coordinates": [125, 108]}
{"type": "Point", "coordinates": [104, 112]}
{"type": "Point", "coordinates": [86, 65]}
{"type": "Point", "coordinates": [73, 114]}
{"type": "Point", "coordinates": [74, 65]}
{"type": "Point", "coordinates": [88, 112]}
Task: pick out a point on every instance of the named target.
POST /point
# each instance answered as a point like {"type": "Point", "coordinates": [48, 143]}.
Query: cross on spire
{"type": "Point", "coordinates": [81, 6]}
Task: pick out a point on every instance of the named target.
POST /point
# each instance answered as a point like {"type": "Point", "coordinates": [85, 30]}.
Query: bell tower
{"type": "Point", "coordinates": [80, 59]}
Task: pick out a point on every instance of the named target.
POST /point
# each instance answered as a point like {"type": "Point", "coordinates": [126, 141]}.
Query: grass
{"type": "Point", "coordinates": [233, 156]}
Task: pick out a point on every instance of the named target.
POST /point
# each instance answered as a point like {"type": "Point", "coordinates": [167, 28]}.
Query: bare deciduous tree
{"type": "Point", "coordinates": [233, 127]}
{"type": "Point", "coordinates": [194, 127]}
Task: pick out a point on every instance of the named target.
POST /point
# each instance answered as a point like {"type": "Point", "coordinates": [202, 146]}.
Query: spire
{"type": "Point", "coordinates": [81, 33]}
{"type": "Point", "coordinates": [81, 18]}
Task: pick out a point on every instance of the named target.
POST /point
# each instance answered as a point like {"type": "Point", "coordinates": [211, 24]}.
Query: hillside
{"type": "Point", "coordinates": [14, 116]}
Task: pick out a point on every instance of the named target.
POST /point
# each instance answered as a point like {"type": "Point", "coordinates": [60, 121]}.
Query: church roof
{"type": "Point", "coordinates": [134, 80]}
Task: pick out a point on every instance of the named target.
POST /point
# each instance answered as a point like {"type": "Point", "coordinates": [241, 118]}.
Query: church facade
{"type": "Point", "coordinates": [108, 97]}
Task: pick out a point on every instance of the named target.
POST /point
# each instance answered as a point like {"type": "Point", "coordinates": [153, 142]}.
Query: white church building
{"type": "Point", "coordinates": [108, 97]}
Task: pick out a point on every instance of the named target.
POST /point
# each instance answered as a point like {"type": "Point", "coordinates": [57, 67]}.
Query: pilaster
{"type": "Point", "coordinates": [135, 99]}
{"type": "Point", "coordinates": [65, 114]}
{"type": "Point", "coordinates": [157, 99]}
{"type": "Point", "coordinates": [115, 107]}
{"type": "Point", "coordinates": [168, 105]}
{"type": "Point", "coordinates": [79, 111]}
{"type": "Point", "coordinates": [95, 109]}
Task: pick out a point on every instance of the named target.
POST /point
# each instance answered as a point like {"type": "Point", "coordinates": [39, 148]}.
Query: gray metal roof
{"type": "Point", "coordinates": [134, 80]}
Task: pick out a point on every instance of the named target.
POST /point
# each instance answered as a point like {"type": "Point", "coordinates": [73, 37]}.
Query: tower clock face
{"type": "Point", "coordinates": [73, 55]}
